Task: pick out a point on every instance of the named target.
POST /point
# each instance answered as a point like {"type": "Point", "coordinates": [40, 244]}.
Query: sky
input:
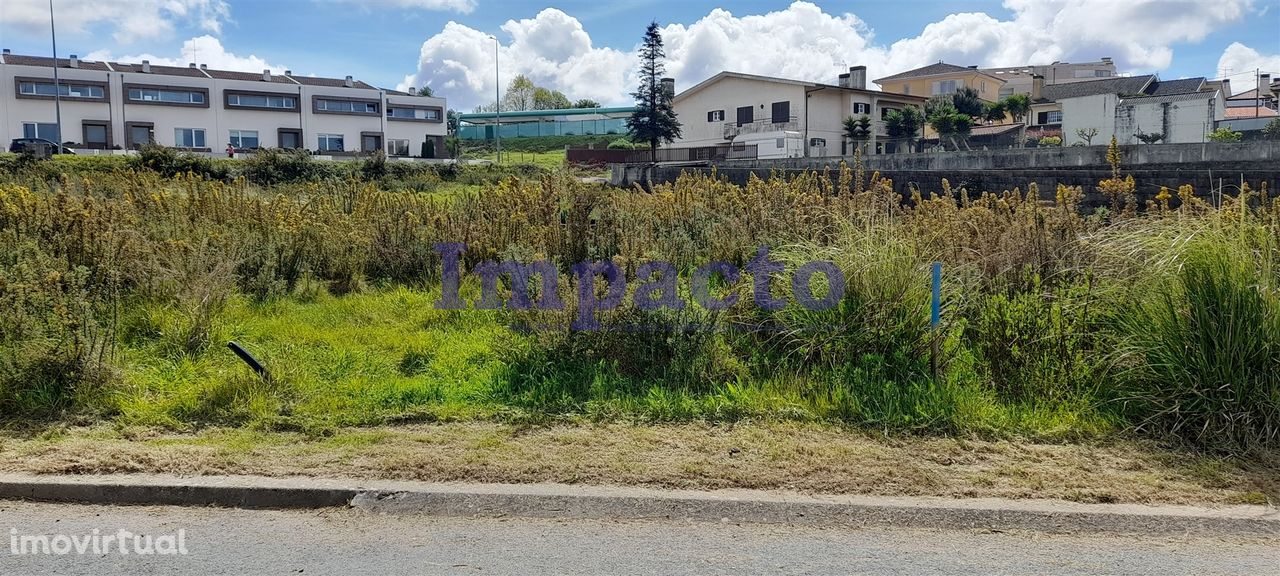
{"type": "Point", "coordinates": [587, 48]}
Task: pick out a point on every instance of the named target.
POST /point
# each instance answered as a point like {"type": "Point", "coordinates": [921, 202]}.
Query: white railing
{"type": "Point", "coordinates": [732, 129]}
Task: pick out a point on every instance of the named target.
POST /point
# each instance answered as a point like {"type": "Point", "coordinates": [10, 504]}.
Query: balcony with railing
{"type": "Point", "coordinates": [733, 129]}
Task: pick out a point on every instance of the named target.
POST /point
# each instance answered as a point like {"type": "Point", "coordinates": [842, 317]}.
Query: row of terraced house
{"type": "Point", "coordinates": [120, 106]}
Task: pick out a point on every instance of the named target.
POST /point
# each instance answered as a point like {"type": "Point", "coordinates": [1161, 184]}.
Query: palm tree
{"type": "Point", "coordinates": [1018, 106]}
{"type": "Point", "coordinates": [857, 129]}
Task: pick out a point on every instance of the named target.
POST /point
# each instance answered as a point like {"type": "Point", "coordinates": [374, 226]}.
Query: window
{"type": "Point", "coordinates": [745, 115]}
{"type": "Point", "coordinates": [347, 106]}
{"type": "Point", "coordinates": [262, 101]}
{"type": "Point", "coordinates": [244, 138]}
{"type": "Point", "coordinates": [330, 142]}
{"type": "Point", "coordinates": [46, 130]}
{"type": "Point", "coordinates": [906, 88]}
{"type": "Point", "coordinates": [861, 108]}
{"type": "Point", "coordinates": [66, 90]}
{"type": "Point", "coordinates": [289, 138]}
{"type": "Point", "coordinates": [715, 116]}
{"type": "Point", "coordinates": [1050, 117]}
{"type": "Point", "coordinates": [781, 112]}
{"type": "Point", "coordinates": [414, 113]}
{"type": "Point", "coordinates": [780, 144]}
{"type": "Point", "coordinates": [188, 137]}
{"type": "Point", "coordinates": [170, 96]}
{"type": "Point", "coordinates": [397, 147]}
{"type": "Point", "coordinates": [946, 86]}
{"type": "Point", "coordinates": [96, 134]}
{"type": "Point", "coordinates": [1006, 91]}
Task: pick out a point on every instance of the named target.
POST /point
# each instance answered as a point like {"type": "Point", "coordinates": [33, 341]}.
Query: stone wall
{"type": "Point", "coordinates": [1208, 167]}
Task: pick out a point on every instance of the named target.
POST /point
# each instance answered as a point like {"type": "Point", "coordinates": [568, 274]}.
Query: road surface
{"type": "Point", "coordinates": [342, 542]}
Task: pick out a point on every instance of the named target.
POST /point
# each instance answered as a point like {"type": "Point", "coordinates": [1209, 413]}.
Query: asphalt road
{"type": "Point", "coordinates": [342, 542]}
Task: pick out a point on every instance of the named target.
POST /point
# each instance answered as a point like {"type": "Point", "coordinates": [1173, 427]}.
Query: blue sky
{"type": "Point", "coordinates": [584, 47]}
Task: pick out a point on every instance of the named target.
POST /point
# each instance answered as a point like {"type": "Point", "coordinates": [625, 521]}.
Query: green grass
{"type": "Point", "coordinates": [550, 159]}
{"type": "Point", "coordinates": [388, 356]}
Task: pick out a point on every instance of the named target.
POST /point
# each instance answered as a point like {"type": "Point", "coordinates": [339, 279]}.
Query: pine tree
{"type": "Point", "coordinates": [654, 120]}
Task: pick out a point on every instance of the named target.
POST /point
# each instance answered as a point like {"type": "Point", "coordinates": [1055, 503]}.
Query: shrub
{"type": "Point", "coordinates": [273, 166]}
{"type": "Point", "coordinates": [621, 144]}
{"type": "Point", "coordinates": [171, 162]}
{"type": "Point", "coordinates": [1050, 141]}
{"type": "Point", "coordinates": [1200, 343]}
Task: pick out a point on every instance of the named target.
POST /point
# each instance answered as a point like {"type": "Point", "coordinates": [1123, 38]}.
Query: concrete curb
{"type": "Point", "coordinates": [617, 503]}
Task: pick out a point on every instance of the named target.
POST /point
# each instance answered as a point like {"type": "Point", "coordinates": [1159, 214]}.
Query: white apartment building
{"type": "Point", "coordinates": [1018, 79]}
{"type": "Point", "coordinates": [733, 106]}
{"type": "Point", "coordinates": [110, 105]}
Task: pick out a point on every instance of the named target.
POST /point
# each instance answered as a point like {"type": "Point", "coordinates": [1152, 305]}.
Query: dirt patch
{"type": "Point", "coordinates": [804, 458]}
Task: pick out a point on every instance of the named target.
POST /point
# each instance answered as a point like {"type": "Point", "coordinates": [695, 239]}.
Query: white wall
{"type": "Point", "coordinates": [1097, 112]}
{"type": "Point", "coordinates": [728, 94]}
{"type": "Point", "coordinates": [216, 119]}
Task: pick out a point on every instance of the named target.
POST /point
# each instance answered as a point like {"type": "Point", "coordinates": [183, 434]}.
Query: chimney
{"type": "Point", "coordinates": [288, 72]}
{"type": "Point", "coordinates": [7, 52]}
{"type": "Point", "coordinates": [843, 81]}
{"type": "Point", "coordinates": [204, 66]}
{"type": "Point", "coordinates": [73, 62]}
{"type": "Point", "coordinates": [858, 77]}
{"type": "Point", "coordinates": [1264, 84]}
{"type": "Point", "coordinates": [146, 66]}
{"type": "Point", "coordinates": [1106, 59]}
{"type": "Point", "coordinates": [191, 65]}
{"type": "Point", "coordinates": [348, 82]}
{"type": "Point", "coordinates": [1226, 87]}
{"type": "Point", "coordinates": [266, 75]}
{"type": "Point", "coordinates": [1037, 86]}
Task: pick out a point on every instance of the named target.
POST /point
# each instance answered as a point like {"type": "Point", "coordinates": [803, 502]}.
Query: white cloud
{"type": "Point", "coordinates": [202, 50]}
{"type": "Point", "coordinates": [128, 20]}
{"type": "Point", "coordinates": [551, 49]}
{"type": "Point", "coordinates": [804, 42]}
{"type": "Point", "coordinates": [1241, 63]}
{"type": "Point", "coordinates": [463, 6]}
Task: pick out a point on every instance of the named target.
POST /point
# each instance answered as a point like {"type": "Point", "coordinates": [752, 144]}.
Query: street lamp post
{"type": "Point", "coordinates": [57, 86]}
{"type": "Point", "coordinates": [497, 102]}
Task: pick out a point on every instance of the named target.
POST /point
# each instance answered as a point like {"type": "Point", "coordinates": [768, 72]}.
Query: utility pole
{"type": "Point", "coordinates": [497, 102]}
{"type": "Point", "coordinates": [1257, 92]}
{"type": "Point", "coordinates": [57, 86]}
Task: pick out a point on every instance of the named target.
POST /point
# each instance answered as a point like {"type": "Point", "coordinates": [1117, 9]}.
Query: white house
{"type": "Point", "coordinates": [1180, 110]}
{"type": "Point", "coordinates": [733, 107]}
{"type": "Point", "coordinates": [108, 105]}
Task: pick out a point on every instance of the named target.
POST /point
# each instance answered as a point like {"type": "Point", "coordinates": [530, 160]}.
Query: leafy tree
{"type": "Point", "coordinates": [904, 125]}
{"type": "Point", "coordinates": [451, 121]}
{"type": "Point", "coordinates": [1225, 135]}
{"type": "Point", "coordinates": [967, 102]}
{"type": "Point", "coordinates": [857, 129]}
{"type": "Point", "coordinates": [993, 112]}
{"type": "Point", "coordinates": [654, 120]}
{"type": "Point", "coordinates": [586, 103]}
{"type": "Point", "coordinates": [1018, 106]}
{"type": "Point", "coordinates": [950, 123]}
{"type": "Point", "coordinates": [424, 91]}
{"type": "Point", "coordinates": [1087, 135]}
{"type": "Point", "coordinates": [544, 99]}
{"type": "Point", "coordinates": [1272, 130]}
{"type": "Point", "coordinates": [520, 93]}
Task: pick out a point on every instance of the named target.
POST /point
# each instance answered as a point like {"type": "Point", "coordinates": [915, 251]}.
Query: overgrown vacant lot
{"type": "Point", "coordinates": [1149, 328]}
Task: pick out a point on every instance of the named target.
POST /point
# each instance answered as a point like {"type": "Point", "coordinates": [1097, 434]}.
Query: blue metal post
{"type": "Point", "coordinates": [935, 319]}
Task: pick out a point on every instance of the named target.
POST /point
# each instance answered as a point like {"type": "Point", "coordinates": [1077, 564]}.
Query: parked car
{"type": "Point", "coordinates": [20, 144]}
